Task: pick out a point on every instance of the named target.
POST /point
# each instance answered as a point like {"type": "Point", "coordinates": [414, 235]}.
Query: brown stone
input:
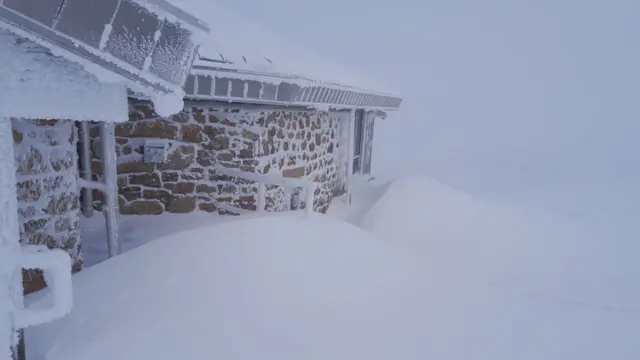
{"type": "Point", "coordinates": [187, 149]}
{"type": "Point", "coordinates": [193, 175]}
{"type": "Point", "coordinates": [61, 204]}
{"type": "Point", "coordinates": [34, 225]}
{"type": "Point", "coordinates": [225, 156]}
{"type": "Point", "coordinates": [124, 129]}
{"type": "Point", "coordinates": [177, 160]}
{"type": "Point", "coordinates": [147, 207]}
{"type": "Point", "coordinates": [208, 207]}
{"type": "Point", "coordinates": [158, 128]}
{"type": "Point", "coordinates": [29, 190]}
{"type": "Point", "coordinates": [17, 136]}
{"type": "Point", "coordinates": [294, 173]}
{"type": "Point", "coordinates": [213, 119]}
{"type": "Point", "coordinates": [64, 224]}
{"type": "Point", "coordinates": [148, 179]}
{"type": "Point", "coordinates": [158, 194]}
{"type": "Point", "coordinates": [27, 212]}
{"type": "Point", "coordinates": [135, 167]}
{"type": "Point", "coordinates": [52, 184]}
{"type": "Point", "coordinates": [131, 192]}
{"type": "Point", "coordinates": [181, 117]}
{"type": "Point", "coordinates": [220, 142]}
{"type": "Point", "coordinates": [170, 176]}
{"type": "Point", "coordinates": [62, 161]}
{"type": "Point", "coordinates": [227, 189]}
{"type": "Point", "coordinates": [205, 158]}
{"type": "Point", "coordinates": [213, 131]}
{"type": "Point", "coordinates": [32, 281]}
{"type": "Point", "coordinates": [228, 122]}
{"type": "Point", "coordinates": [197, 114]}
{"type": "Point", "coordinates": [181, 187]}
{"type": "Point", "coordinates": [146, 109]}
{"type": "Point", "coordinates": [32, 162]}
{"type": "Point", "coordinates": [245, 154]}
{"type": "Point", "coordinates": [182, 204]}
{"type": "Point", "coordinates": [206, 189]}
{"type": "Point", "coordinates": [191, 133]}
{"type": "Point", "coordinates": [250, 135]}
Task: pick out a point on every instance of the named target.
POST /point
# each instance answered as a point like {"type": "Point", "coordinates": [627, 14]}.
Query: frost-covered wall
{"type": "Point", "coordinates": [292, 143]}
{"type": "Point", "coordinates": [46, 160]}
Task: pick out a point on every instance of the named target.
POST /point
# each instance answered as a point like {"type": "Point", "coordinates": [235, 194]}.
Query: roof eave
{"type": "Point", "coordinates": [230, 85]}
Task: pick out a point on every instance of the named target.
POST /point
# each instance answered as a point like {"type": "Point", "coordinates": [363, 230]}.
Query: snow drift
{"type": "Point", "coordinates": [275, 287]}
{"type": "Point", "coordinates": [504, 283]}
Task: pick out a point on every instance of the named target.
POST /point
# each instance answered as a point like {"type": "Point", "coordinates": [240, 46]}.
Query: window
{"type": "Point", "coordinates": [358, 130]}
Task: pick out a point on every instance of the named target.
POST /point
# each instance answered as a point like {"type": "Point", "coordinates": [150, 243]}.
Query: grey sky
{"type": "Point", "coordinates": [500, 94]}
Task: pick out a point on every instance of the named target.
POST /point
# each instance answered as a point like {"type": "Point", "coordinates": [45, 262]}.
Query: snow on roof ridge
{"type": "Point", "coordinates": [236, 43]}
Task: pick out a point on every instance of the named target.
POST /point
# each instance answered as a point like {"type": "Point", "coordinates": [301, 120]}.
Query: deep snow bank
{"type": "Point", "coordinates": [276, 287]}
{"type": "Point", "coordinates": [506, 283]}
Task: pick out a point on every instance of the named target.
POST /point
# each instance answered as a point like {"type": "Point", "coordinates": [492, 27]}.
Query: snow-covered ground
{"type": "Point", "coordinates": [418, 270]}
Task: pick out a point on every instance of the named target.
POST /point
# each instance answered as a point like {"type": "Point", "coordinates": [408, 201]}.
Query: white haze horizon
{"type": "Point", "coordinates": [532, 102]}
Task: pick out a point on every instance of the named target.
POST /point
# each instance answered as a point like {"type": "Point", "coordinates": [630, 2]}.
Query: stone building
{"type": "Point", "coordinates": [251, 105]}
{"type": "Point", "coordinates": [287, 141]}
{"type": "Point", "coordinates": [52, 81]}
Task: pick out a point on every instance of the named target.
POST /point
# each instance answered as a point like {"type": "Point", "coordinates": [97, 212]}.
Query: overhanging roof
{"type": "Point", "coordinates": [244, 62]}
{"type": "Point", "coordinates": [215, 83]}
{"type": "Point", "coordinates": [34, 84]}
{"type": "Point", "coordinates": [148, 44]}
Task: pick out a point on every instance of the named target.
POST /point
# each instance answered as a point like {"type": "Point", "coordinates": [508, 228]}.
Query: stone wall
{"type": "Point", "coordinates": [48, 208]}
{"type": "Point", "coordinates": [287, 142]}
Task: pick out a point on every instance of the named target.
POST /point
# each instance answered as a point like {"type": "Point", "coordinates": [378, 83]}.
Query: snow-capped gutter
{"type": "Point", "coordinates": [221, 83]}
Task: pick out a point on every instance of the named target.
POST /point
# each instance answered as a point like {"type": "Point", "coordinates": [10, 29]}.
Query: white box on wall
{"type": "Point", "coordinates": [155, 151]}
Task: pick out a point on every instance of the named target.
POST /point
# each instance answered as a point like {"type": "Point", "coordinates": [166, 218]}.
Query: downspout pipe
{"type": "Point", "coordinates": [111, 207]}
{"type": "Point", "coordinates": [84, 149]}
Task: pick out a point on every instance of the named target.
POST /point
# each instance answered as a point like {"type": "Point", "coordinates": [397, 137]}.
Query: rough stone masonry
{"type": "Point", "coordinates": [287, 142]}
{"type": "Point", "coordinates": [48, 208]}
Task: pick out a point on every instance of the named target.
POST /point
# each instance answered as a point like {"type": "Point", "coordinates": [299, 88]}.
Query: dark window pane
{"type": "Point", "coordinates": [85, 20]}
{"type": "Point", "coordinates": [42, 11]}
{"type": "Point", "coordinates": [172, 54]}
{"type": "Point", "coordinates": [132, 36]}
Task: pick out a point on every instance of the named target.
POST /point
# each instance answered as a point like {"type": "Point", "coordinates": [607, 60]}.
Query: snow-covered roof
{"type": "Point", "coordinates": [37, 85]}
{"type": "Point", "coordinates": [244, 289]}
{"type": "Point", "coordinates": [239, 57]}
{"type": "Point", "coordinates": [148, 45]}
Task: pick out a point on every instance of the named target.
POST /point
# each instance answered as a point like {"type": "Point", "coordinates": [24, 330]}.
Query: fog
{"type": "Point", "coordinates": [532, 102]}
